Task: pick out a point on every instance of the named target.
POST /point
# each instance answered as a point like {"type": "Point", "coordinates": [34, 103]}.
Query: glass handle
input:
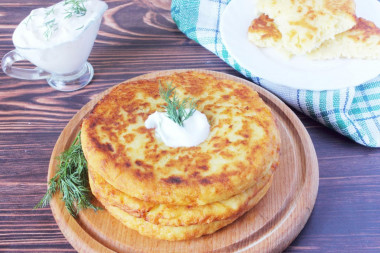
{"type": "Point", "coordinates": [22, 73]}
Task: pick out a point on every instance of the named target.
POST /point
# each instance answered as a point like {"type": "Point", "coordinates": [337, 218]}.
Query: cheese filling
{"type": "Point", "coordinates": [194, 131]}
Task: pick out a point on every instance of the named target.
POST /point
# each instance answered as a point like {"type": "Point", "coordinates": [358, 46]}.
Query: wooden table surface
{"type": "Point", "coordinates": [136, 37]}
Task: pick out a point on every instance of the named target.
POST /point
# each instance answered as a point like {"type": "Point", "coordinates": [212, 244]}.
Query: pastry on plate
{"type": "Point", "coordinates": [306, 24]}
{"type": "Point", "coordinates": [362, 41]}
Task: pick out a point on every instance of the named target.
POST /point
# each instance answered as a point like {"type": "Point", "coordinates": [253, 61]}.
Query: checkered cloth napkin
{"type": "Point", "coordinates": [354, 112]}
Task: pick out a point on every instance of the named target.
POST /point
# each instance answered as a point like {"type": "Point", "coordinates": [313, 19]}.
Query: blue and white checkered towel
{"type": "Point", "coordinates": [354, 112]}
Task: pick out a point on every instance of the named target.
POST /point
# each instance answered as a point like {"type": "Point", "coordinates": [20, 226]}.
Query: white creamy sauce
{"type": "Point", "coordinates": [194, 131]}
{"type": "Point", "coordinates": [57, 41]}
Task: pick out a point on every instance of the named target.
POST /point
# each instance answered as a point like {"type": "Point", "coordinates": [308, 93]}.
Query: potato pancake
{"type": "Point", "coordinates": [174, 233]}
{"type": "Point", "coordinates": [166, 232]}
{"type": "Point", "coordinates": [174, 215]}
{"type": "Point", "coordinates": [362, 41]}
{"type": "Point", "coordinates": [306, 24]}
{"type": "Point", "coordinates": [242, 146]}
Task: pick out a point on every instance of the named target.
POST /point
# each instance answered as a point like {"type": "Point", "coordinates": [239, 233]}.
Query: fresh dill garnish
{"type": "Point", "coordinates": [175, 109]}
{"type": "Point", "coordinates": [50, 26]}
{"type": "Point", "coordinates": [49, 11]}
{"type": "Point", "coordinates": [80, 27]}
{"type": "Point", "coordinates": [28, 20]}
{"type": "Point", "coordinates": [76, 7]}
{"type": "Point", "coordinates": [72, 180]}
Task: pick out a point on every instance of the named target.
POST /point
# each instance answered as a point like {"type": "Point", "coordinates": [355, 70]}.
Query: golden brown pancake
{"type": "Point", "coordinates": [242, 146]}
{"type": "Point", "coordinates": [174, 215]}
{"type": "Point", "coordinates": [362, 41]}
{"type": "Point", "coordinates": [306, 24]}
{"type": "Point", "coordinates": [173, 233]}
{"type": "Point", "coordinates": [166, 232]}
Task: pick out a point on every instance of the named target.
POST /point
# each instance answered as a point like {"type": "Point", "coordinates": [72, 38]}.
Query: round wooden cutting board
{"type": "Point", "coordinates": [269, 227]}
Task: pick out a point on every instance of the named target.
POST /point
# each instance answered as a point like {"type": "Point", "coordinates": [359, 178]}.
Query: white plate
{"type": "Point", "coordinates": [297, 72]}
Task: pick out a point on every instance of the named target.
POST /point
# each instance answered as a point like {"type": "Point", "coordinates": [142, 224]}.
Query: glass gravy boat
{"type": "Point", "coordinates": [63, 65]}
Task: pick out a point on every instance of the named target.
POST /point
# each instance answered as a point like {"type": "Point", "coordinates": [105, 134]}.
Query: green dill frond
{"type": "Point", "coordinates": [28, 19]}
{"type": "Point", "coordinates": [75, 7]}
{"type": "Point", "coordinates": [50, 27]}
{"type": "Point", "coordinates": [175, 109]}
{"type": "Point", "coordinates": [80, 27]}
{"type": "Point", "coordinates": [49, 11]}
{"type": "Point", "coordinates": [71, 180]}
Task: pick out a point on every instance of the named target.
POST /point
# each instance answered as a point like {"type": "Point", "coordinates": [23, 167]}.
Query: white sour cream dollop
{"type": "Point", "coordinates": [194, 131]}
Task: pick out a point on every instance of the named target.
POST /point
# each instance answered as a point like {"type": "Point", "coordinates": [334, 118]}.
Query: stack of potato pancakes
{"type": "Point", "coordinates": [186, 192]}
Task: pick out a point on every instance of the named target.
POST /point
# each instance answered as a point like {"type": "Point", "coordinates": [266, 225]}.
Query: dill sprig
{"type": "Point", "coordinates": [28, 19]}
{"type": "Point", "coordinates": [51, 26]}
{"type": "Point", "coordinates": [76, 7]}
{"type": "Point", "coordinates": [175, 109]}
{"type": "Point", "coordinates": [80, 27]}
{"type": "Point", "coordinates": [49, 11]}
{"type": "Point", "coordinates": [71, 180]}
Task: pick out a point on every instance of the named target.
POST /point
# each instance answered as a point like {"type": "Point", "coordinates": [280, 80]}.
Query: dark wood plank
{"type": "Point", "coordinates": [137, 37]}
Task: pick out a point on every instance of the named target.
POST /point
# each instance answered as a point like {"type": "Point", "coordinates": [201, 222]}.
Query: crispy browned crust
{"type": "Point", "coordinates": [363, 31]}
{"type": "Point", "coordinates": [175, 233]}
{"type": "Point", "coordinates": [166, 232]}
{"type": "Point", "coordinates": [242, 145]}
{"type": "Point", "coordinates": [266, 28]}
{"type": "Point", "coordinates": [174, 215]}
{"type": "Point", "coordinates": [305, 24]}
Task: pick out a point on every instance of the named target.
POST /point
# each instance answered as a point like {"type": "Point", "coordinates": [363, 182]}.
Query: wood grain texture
{"type": "Point", "coordinates": [139, 37]}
